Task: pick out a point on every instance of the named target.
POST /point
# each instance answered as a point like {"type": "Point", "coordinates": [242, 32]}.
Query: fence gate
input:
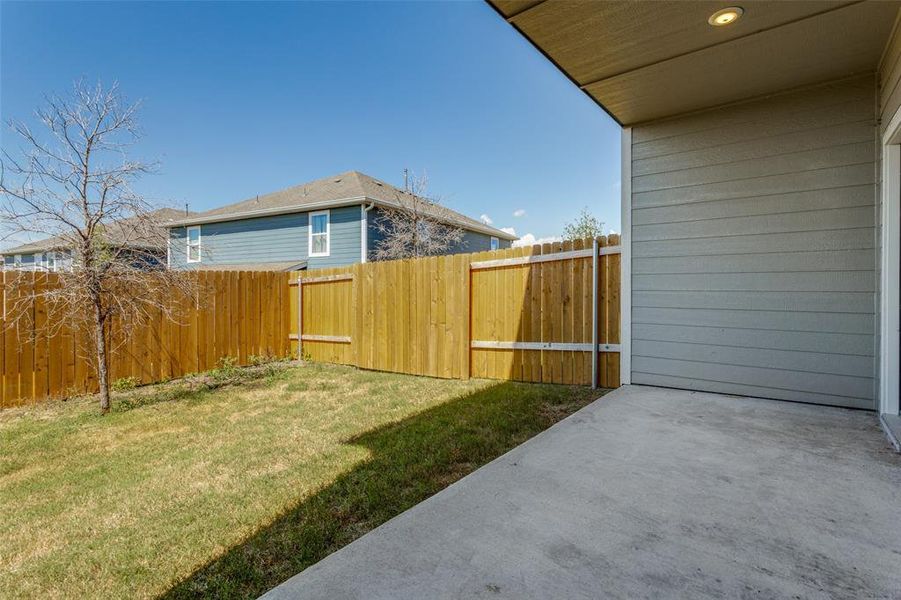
{"type": "Point", "coordinates": [538, 317]}
{"type": "Point", "coordinates": [542, 314]}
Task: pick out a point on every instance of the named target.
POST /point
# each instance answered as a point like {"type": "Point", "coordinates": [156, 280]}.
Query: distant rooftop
{"type": "Point", "coordinates": [345, 189]}
{"type": "Point", "coordinates": [116, 232]}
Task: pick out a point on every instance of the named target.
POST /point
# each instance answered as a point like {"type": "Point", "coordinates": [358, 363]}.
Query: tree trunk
{"type": "Point", "coordinates": [102, 359]}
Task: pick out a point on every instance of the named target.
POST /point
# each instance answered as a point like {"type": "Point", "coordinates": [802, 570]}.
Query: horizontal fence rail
{"type": "Point", "coordinates": [547, 313]}
{"type": "Point", "coordinates": [238, 314]}
{"type": "Point", "coordinates": [527, 314]}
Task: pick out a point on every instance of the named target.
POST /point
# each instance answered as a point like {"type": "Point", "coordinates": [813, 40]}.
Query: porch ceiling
{"type": "Point", "coordinates": [646, 60]}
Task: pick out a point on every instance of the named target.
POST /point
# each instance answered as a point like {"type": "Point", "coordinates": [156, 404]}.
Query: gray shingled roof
{"type": "Point", "coordinates": [163, 215]}
{"type": "Point", "coordinates": [346, 188]}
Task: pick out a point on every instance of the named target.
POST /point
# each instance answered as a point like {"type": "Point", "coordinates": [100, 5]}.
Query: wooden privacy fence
{"type": "Point", "coordinates": [546, 313]}
{"type": "Point", "coordinates": [239, 314]}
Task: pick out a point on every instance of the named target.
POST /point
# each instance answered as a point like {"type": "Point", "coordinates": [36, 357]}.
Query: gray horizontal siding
{"type": "Point", "coordinates": [813, 281]}
{"type": "Point", "coordinates": [280, 238]}
{"type": "Point", "coordinates": [854, 389]}
{"type": "Point", "coordinates": [772, 262]}
{"type": "Point", "coordinates": [827, 219]}
{"type": "Point", "coordinates": [842, 302]}
{"type": "Point", "coordinates": [753, 234]}
{"type": "Point", "coordinates": [795, 202]}
{"type": "Point", "coordinates": [834, 343]}
{"type": "Point", "coordinates": [825, 363]}
{"type": "Point", "coordinates": [795, 241]}
{"type": "Point", "coordinates": [769, 320]}
{"type": "Point", "coordinates": [729, 387]}
{"type": "Point", "coordinates": [783, 183]}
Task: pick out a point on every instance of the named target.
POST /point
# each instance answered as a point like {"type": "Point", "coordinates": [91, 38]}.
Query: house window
{"type": "Point", "coordinates": [17, 261]}
{"type": "Point", "coordinates": [319, 233]}
{"type": "Point", "coordinates": [51, 261]}
{"type": "Point", "coordinates": [194, 244]}
{"type": "Point", "coordinates": [38, 262]}
{"type": "Point", "coordinates": [495, 243]}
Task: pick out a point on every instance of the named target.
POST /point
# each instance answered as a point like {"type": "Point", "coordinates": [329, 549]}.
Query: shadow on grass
{"type": "Point", "coordinates": [196, 387]}
{"type": "Point", "coordinates": [410, 461]}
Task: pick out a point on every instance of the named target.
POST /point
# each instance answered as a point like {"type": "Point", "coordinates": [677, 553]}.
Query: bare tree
{"type": "Point", "coordinates": [416, 225]}
{"type": "Point", "coordinates": [73, 183]}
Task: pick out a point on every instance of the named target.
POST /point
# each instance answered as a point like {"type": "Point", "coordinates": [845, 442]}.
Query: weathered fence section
{"type": "Point", "coordinates": [239, 314]}
{"type": "Point", "coordinates": [546, 313]}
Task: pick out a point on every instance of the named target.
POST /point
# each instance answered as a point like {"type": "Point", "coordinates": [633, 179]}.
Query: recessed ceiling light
{"type": "Point", "coordinates": [726, 16]}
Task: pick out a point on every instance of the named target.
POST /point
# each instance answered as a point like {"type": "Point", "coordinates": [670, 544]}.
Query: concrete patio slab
{"type": "Point", "coordinates": [650, 493]}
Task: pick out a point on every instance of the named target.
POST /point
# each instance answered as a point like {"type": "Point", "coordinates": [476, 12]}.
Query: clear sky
{"type": "Point", "coordinates": [242, 99]}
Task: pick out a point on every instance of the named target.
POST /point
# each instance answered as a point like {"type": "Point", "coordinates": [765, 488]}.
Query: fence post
{"type": "Point", "coordinates": [594, 313]}
{"type": "Point", "coordinates": [299, 316]}
{"type": "Point", "coordinates": [467, 301]}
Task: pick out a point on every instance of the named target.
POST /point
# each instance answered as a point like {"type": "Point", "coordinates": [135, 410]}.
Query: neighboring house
{"type": "Point", "coordinates": [274, 230]}
{"type": "Point", "coordinates": [761, 189]}
{"type": "Point", "coordinates": [55, 253]}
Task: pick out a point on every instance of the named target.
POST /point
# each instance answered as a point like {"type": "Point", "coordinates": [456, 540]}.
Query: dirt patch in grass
{"type": "Point", "coordinates": [205, 488]}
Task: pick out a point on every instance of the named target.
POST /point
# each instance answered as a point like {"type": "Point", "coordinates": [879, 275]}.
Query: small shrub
{"type": "Point", "coordinates": [227, 370]}
{"type": "Point", "coordinates": [257, 360]}
{"type": "Point", "coordinates": [125, 384]}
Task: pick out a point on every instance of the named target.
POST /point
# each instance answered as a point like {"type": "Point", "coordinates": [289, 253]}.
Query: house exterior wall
{"type": "Point", "coordinates": [472, 241]}
{"type": "Point", "coordinates": [888, 93]}
{"type": "Point", "coordinates": [753, 247]}
{"type": "Point", "coordinates": [279, 238]}
{"type": "Point", "coordinates": [27, 261]}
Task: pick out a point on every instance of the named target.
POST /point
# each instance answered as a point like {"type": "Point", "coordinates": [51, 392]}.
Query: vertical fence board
{"type": "Point", "coordinates": [46, 357]}
{"type": "Point", "coordinates": [414, 316]}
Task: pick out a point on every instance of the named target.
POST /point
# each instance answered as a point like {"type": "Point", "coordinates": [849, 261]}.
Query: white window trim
{"type": "Point", "coordinates": [625, 316]}
{"type": "Point", "coordinates": [328, 234]}
{"type": "Point", "coordinates": [364, 234]}
{"type": "Point", "coordinates": [890, 261]}
{"type": "Point", "coordinates": [494, 243]}
{"type": "Point", "coordinates": [188, 245]}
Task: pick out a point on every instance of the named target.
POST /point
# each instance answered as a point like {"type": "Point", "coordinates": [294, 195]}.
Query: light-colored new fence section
{"type": "Point", "coordinates": [239, 314]}
{"type": "Point", "coordinates": [525, 314]}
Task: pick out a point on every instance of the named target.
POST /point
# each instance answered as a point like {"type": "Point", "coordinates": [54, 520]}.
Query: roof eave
{"type": "Point", "coordinates": [266, 212]}
{"type": "Point", "coordinates": [486, 229]}
{"type": "Point", "coordinates": [287, 210]}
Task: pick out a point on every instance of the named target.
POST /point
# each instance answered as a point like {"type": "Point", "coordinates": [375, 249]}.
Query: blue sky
{"type": "Point", "coordinates": [242, 99]}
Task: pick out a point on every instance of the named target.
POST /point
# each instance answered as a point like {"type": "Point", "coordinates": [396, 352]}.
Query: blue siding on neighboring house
{"type": "Point", "coordinates": [479, 242]}
{"type": "Point", "coordinates": [280, 238]}
{"type": "Point", "coordinates": [472, 241]}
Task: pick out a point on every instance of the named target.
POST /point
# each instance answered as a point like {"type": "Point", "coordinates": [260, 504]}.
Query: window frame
{"type": "Point", "coordinates": [189, 245]}
{"type": "Point", "coordinates": [327, 234]}
{"type": "Point", "coordinates": [494, 243]}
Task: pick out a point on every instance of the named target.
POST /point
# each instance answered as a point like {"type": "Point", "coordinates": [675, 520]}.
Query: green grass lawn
{"type": "Point", "coordinates": [228, 492]}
